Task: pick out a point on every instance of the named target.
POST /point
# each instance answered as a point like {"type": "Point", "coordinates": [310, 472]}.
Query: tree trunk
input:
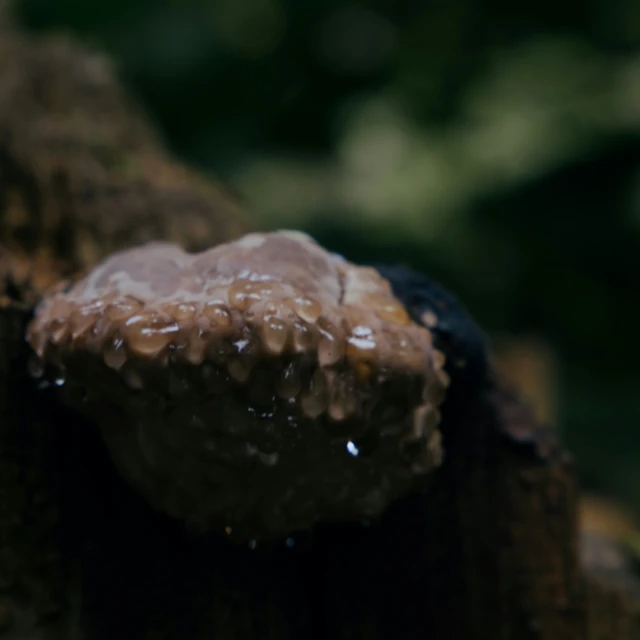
{"type": "Point", "coordinates": [491, 551]}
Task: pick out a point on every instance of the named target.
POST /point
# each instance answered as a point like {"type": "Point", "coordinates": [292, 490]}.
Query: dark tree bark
{"type": "Point", "coordinates": [490, 551]}
{"type": "Point", "coordinates": [82, 173]}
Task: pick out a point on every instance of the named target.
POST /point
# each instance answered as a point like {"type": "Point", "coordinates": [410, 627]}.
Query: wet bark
{"type": "Point", "coordinates": [490, 551]}
{"type": "Point", "coordinates": [83, 173]}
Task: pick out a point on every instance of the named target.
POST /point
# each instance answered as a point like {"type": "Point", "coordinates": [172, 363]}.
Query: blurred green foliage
{"type": "Point", "coordinates": [495, 145]}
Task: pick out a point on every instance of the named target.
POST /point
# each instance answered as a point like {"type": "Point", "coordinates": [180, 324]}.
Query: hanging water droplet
{"type": "Point", "coordinates": [314, 400]}
{"type": "Point", "coordinates": [253, 544]}
{"type": "Point", "coordinates": [289, 382]}
{"type": "Point", "coordinates": [241, 345]}
{"type": "Point", "coordinates": [303, 337]}
{"type": "Point", "coordinates": [352, 449]}
{"type": "Point", "coordinates": [274, 334]}
{"type": "Point", "coordinates": [307, 308]}
{"type": "Point", "coordinates": [330, 350]}
{"type": "Point", "coordinates": [114, 354]}
{"type": "Point", "coordinates": [59, 378]}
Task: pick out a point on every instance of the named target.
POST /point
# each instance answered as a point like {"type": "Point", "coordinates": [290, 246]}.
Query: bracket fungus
{"type": "Point", "coordinates": [260, 386]}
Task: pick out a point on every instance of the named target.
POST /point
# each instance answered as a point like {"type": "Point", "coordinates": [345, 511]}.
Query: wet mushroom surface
{"type": "Point", "coordinates": [255, 388]}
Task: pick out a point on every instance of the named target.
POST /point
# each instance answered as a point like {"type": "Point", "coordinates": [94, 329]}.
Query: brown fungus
{"type": "Point", "coordinates": [259, 387]}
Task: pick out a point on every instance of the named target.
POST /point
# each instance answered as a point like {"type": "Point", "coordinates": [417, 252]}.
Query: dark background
{"type": "Point", "coordinates": [495, 145]}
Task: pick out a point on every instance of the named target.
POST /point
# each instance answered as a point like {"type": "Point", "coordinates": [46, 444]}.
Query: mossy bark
{"type": "Point", "coordinates": [491, 551]}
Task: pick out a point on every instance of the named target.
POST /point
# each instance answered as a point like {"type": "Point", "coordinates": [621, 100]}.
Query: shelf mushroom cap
{"type": "Point", "coordinates": [260, 386]}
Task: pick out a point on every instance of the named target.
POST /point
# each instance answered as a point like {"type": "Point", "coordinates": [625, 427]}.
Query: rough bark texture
{"type": "Point", "coordinates": [83, 173]}
{"type": "Point", "coordinates": [490, 552]}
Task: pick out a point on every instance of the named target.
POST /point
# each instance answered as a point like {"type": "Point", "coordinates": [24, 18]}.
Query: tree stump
{"type": "Point", "coordinates": [490, 551]}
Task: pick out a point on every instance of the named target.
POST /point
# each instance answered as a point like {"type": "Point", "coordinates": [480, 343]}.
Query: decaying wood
{"type": "Point", "coordinates": [83, 173]}
{"type": "Point", "coordinates": [492, 551]}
